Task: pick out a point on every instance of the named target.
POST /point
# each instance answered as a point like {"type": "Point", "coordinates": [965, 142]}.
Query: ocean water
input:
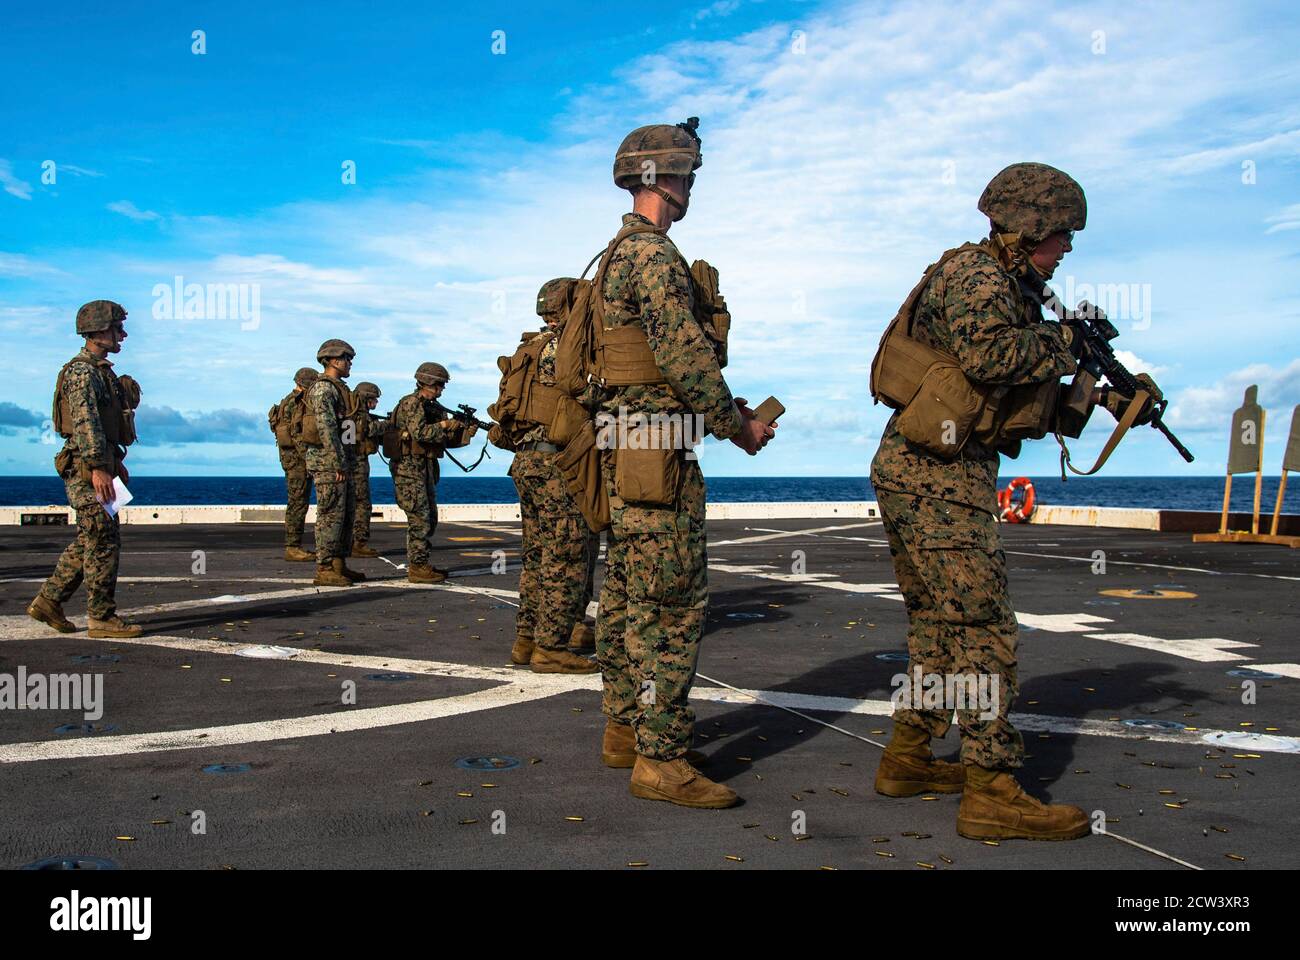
{"type": "Point", "coordinates": [1179, 493]}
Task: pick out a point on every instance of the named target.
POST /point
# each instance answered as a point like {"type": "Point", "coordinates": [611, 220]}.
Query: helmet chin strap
{"type": "Point", "coordinates": [669, 199]}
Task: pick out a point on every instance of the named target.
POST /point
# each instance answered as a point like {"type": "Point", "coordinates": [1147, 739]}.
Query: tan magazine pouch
{"type": "Point", "coordinates": [648, 467]}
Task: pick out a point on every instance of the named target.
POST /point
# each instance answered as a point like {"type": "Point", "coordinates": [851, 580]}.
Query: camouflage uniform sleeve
{"type": "Point", "coordinates": [410, 417]}
{"type": "Point", "coordinates": [684, 354]}
{"type": "Point", "coordinates": [79, 386]}
{"type": "Point", "coordinates": [376, 428]}
{"type": "Point", "coordinates": [327, 424]}
{"type": "Point", "coordinates": [981, 305]}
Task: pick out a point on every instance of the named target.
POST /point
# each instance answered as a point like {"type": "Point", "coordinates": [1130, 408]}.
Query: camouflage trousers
{"type": "Point", "coordinates": [334, 509]}
{"type": "Point", "coordinates": [951, 569]}
{"type": "Point", "coordinates": [652, 613]}
{"type": "Point", "coordinates": [415, 484]}
{"type": "Point", "coordinates": [298, 482]}
{"type": "Point", "coordinates": [558, 552]}
{"type": "Point", "coordinates": [361, 497]}
{"type": "Point", "coordinates": [91, 558]}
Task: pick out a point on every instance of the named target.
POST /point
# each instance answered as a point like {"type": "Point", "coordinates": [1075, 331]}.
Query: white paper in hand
{"type": "Point", "coordinates": [121, 497]}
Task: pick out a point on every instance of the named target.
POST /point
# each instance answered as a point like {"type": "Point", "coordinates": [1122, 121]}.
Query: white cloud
{"type": "Point", "coordinates": [12, 185]}
{"type": "Point", "coordinates": [78, 171]}
{"type": "Point", "coordinates": [1288, 218]}
{"type": "Point", "coordinates": [18, 265]}
{"type": "Point", "coordinates": [128, 209]}
{"type": "Point", "coordinates": [1210, 407]}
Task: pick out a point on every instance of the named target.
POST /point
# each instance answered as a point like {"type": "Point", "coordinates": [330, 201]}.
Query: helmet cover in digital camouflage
{"type": "Point", "coordinates": [555, 296]}
{"type": "Point", "coordinates": [99, 315]}
{"type": "Point", "coordinates": [332, 349]}
{"type": "Point", "coordinates": [658, 150]}
{"type": "Point", "coordinates": [305, 377]}
{"type": "Point", "coordinates": [430, 374]}
{"type": "Point", "coordinates": [1035, 201]}
{"type": "Point", "coordinates": [366, 390]}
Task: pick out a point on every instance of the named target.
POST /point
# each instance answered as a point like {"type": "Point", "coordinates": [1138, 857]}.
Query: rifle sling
{"type": "Point", "coordinates": [1134, 408]}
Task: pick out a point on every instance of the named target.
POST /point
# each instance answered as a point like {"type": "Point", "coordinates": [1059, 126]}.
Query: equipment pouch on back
{"type": "Point", "coordinates": [942, 415]}
{"type": "Point", "coordinates": [569, 418]}
{"type": "Point", "coordinates": [648, 467]}
{"type": "Point", "coordinates": [579, 464]}
{"type": "Point", "coordinates": [392, 444]}
{"type": "Point", "coordinates": [63, 462]}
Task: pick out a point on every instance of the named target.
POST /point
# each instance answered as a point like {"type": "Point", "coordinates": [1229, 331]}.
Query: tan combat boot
{"type": "Point", "coordinates": [326, 576]}
{"type": "Point", "coordinates": [907, 767]}
{"type": "Point", "coordinates": [993, 807]}
{"type": "Point", "coordinates": [298, 555]}
{"type": "Point", "coordinates": [49, 612]}
{"type": "Point", "coordinates": [341, 568]}
{"type": "Point", "coordinates": [521, 654]}
{"type": "Point", "coordinates": [676, 781]}
{"type": "Point", "coordinates": [561, 660]}
{"type": "Point", "coordinates": [618, 747]}
{"type": "Point", "coordinates": [112, 628]}
{"type": "Point", "coordinates": [582, 639]}
{"type": "Point", "coordinates": [363, 550]}
{"type": "Point", "coordinates": [423, 573]}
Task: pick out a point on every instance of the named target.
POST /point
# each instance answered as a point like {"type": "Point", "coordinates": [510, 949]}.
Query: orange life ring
{"type": "Point", "coordinates": [1013, 510]}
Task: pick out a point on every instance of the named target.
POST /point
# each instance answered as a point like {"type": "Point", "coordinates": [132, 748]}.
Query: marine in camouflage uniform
{"type": "Point", "coordinates": [370, 431]}
{"type": "Point", "coordinates": [415, 469]}
{"type": "Point", "coordinates": [293, 461]}
{"type": "Point", "coordinates": [93, 410]}
{"type": "Point", "coordinates": [655, 592]}
{"type": "Point", "coordinates": [331, 461]}
{"type": "Point", "coordinates": [558, 547]}
{"type": "Point", "coordinates": [983, 307]}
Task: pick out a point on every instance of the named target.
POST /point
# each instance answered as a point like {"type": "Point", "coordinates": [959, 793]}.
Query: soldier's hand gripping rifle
{"type": "Point", "coordinates": [462, 414]}
{"type": "Point", "coordinates": [1099, 361]}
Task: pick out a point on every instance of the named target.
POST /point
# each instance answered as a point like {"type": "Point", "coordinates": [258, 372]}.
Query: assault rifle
{"type": "Point", "coordinates": [1099, 360]}
{"type": "Point", "coordinates": [435, 411]}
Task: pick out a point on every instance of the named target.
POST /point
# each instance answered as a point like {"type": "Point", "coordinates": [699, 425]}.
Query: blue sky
{"type": "Point", "coordinates": [845, 146]}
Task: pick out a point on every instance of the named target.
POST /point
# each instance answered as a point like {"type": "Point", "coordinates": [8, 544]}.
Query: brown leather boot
{"type": "Point", "coordinates": [342, 568]}
{"type": "Point", "coordinates": [51, 613]}
{"type": "Point", "coordinates": [423, 573]}
{"type": "Point", "coordinates": [521, 654]}
{"type": "Point", "coordinates": [327, 576]}
{"type": "Point", "coordinates": [561, 660]}
{"type": "Point", "coordinates": [363, 550]}
{"type": "Point", "coordinates": [676, 781]}
{"type": "Point", "coordinates": [618, 747]}
{"type": "Point", "coordinates": [112, 628]}
{"type": "Point", "coordinates": [298, 555]}
{"type": "Point", "coordinates": [994, 807]}
{"type": "Point", "coordinates": [907, 767]}
{"type": "Point", "coordinates": [582, 639]}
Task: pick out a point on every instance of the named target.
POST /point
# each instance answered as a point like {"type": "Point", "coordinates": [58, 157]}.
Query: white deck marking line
{"type": "Point", "coordinates": [1286, 669]}
{"type": "Point", "coordinates": [23, 627]}
{"type": "Point", "coordinates": [529, 686]}
{"type": "Point", "coordinates": [769, 534]}
{"type": "Point", "coordinates": [1157, 566]}
{"type": "Point", "coordinates": [262, 731]}
{"type": "Point", "coordinates": [1200, 649]}
{"type": "Point", "coordinates": [1089, 560]}
{"type": "Point", "coordinates": [767, 694]}
{"type": "Point", "coordinates": [1037, 722]}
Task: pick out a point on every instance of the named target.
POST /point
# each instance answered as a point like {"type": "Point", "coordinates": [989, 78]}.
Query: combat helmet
{"type": "Point", "coordinates": [1035, 201]}
{"type": "Point", "coordinates": [99, 315]}
{"type": "Point", "coordinates": [305, 377]}
{"type": "Point", "coordinates": [673, 149]}
{"type": "Point", "coordinates": [331, 349]}
{"type": "Point", "coordinates": [430, 374]}
{"type": "Point", "coordinates": [555, 296]}
{"type": "Point", "coordinates": [366, 390]}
